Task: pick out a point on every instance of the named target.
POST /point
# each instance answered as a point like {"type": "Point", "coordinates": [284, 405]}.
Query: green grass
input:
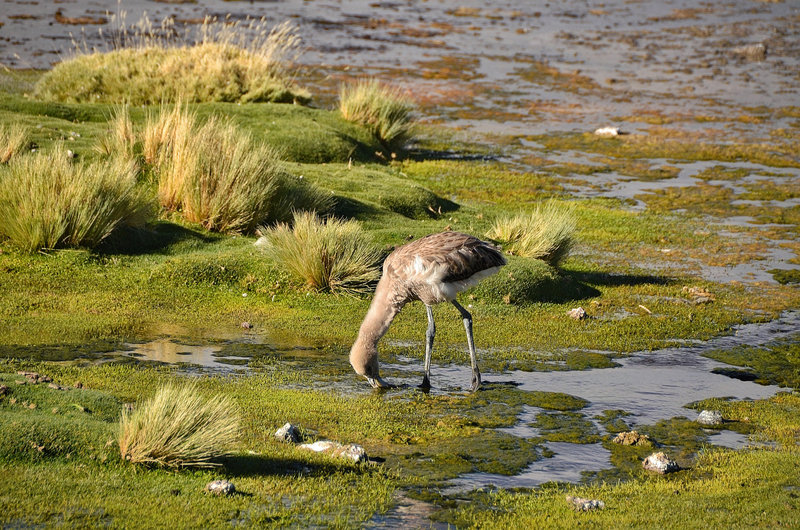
{"type": "Point", "coordinates": [48, 201]}
{"type": "Point", "coordinates": [327, 255]}
{"type": "Point", "coordinates": [217, 176]}
{"type": "Point", "coordinates": [382, 109]}
{"type": "Point", "coordinates": [178, 280]}
{"type": "Point", "coordinates": [178, 427]}
{"type": "Point", "coordinates": [13, 139]}
{"type": "Point", "coordinates": [546, 233]}
{"type": "Point", "coordinates": [222, 66]}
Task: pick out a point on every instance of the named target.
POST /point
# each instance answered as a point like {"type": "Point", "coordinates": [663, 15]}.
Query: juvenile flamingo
{"type": "Point", "coordinates": [432, 269]}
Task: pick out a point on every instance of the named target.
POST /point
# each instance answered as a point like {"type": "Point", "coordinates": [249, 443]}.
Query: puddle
{"type": "Point", "coordinates": [169, 352]}
{"type": "Point", "coordinates": [651, 386]}
{"type": "Point", "coordinates": [567, 465]}
{"type": "Point", "coordinates": [408, 514]}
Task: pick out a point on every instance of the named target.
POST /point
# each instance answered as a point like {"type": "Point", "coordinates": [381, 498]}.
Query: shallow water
{"type": "Point", "coordinates": [651, 386]}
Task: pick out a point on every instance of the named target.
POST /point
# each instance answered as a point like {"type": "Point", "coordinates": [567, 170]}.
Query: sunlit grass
{"type": "Point", "coordinates": [121, 137]}
{"type": "Point", "coordinates": [384, 110]}
{"type": "Point", "coordinates": [13, 139]}
{"type": "Point", "coordinates": [330, 255]}
{"type": "Point", "coordinates": [227, 62]}
{"type": "Point", "coordinates": [216, 175]}
{"type": "Point", "coordinates": [48, 201]}
{"type": "Point", "coordinates": [547, 233]}
{"type": "Point", "coordinates": [178, 427]}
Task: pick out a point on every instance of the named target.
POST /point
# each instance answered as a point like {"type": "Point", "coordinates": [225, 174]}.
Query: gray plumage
{"type": "Point", "coordinates": [432, 269]}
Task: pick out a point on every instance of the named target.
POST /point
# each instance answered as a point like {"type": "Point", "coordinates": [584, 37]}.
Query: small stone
{"type": "Point", "coordinates": [633, 438]}
{"type": "Point", "coordinates": [246, 325]}
{"type": "Point", "coordinates": [710, 417]}
{"type": "Point", "coordinates": [607, 131]}
{"type": "Point", "coordinates": [4, 390]}
{"type": "Point", "coordinates": [55, 386]}
{"type": "Point", "coordinates": [578, 313]}
{"type": "Point", "coordinates": [353, 452]}
{"type": "Point", "coordinates": [660, 463]}
{"type": "Point", "coordinates": [584, 505]}
{"type": "Point", "coordinates": [78, 384]}
{"type": "Point", "coordinates": [220, 488]}
{"type": "Point", "coordinates": [289, 434]}
{"type": "Point", "coordinates": [22, 382]}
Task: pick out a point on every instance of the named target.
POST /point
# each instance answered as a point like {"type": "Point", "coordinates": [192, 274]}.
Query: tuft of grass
{"type": "Point", "coordinates": [228, 62]}
{"type": "Point", "coordinates": [547, 233]}
{"type": "Point", "coordinates": [121, 137]}
{"type": "Point", "coordinates": [330, 255]}
{"type": "Point", "coordinates": [178, 427]}
{"type": "Point", "coordinates": [218, 176]}
{"type": "Point", "coordinates": [48, 201]}
{"type": "Point", "coordinates": [13, 139]}
{"type": "Point", "coordinates": [384, 110]}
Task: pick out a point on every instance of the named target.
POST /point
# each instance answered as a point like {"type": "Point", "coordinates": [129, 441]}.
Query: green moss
{"type": "Point", "coordinates": [570, 427]}
{"type": "Point", "coordinates": [777, 363]}
{"type": "Point", "coordinates": [613, 420]}
{"type": "Point", "coordinates": [786, 276]}
{"type": "Point", "coordinates": [654, 146]}
{"type": "Point", "coordinates": [526, 281]}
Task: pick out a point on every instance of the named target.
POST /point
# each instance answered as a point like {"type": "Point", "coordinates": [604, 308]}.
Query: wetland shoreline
{"type": "Point", "coordinates": [681, 225]}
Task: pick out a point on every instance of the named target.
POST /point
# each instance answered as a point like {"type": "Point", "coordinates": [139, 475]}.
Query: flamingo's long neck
{"type": "Point", "coordinates": [364, 353]}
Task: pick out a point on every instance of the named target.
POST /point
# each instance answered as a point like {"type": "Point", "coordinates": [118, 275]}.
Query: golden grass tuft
{"type": "Point", "coordinates": [178, 427]}
{"type": "Point", "coordinates": [547, 233]}
{"type": "Point", "coordinates": [218, 176]}
{"type": "Point", "coordinates": [382, 109]}
{"type": "Point", "coordinates": [120, 139]}
{"type": "Point", "coordinates": [233, 62]}
{"type": "Point", "coordinates": [13, 139]}
{"type": "Point", "coordinates": [48, 201]}
{"type": "Point", "coordinates": [331, 255]}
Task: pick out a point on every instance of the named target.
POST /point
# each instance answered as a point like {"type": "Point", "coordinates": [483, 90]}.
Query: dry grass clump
{"type": "Point", "coordinates": [227, 62]}
{"type": "Point", "coordinates": [330, 255]}
{"type": "Point", "coordinates": [121, 137]}
{"type": "Point", "coordinates": [48, 201]}
{"type": "Point", "coordinates": [178, 427]}
{"type": "Point", "coordinates": [547, 233]}
{"type": "Point", "coordinates": [384, 110]}
{"type": "Point", "coordinates": [216, 175]}
{"type": "Point", "coordinates": [13, 139]}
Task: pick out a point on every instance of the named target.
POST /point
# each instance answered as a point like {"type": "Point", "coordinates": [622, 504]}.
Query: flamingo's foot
{"type": "Point", "coordinates": [476, 381]}
{"type": "Point", "coordinates": [426, 384]}
{"type": "Point", "coordinates": [377, 382]}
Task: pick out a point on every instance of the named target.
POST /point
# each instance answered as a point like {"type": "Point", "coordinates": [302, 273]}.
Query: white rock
{"type": "Point", "coordinates": [585, 505]}
{"type": "Point", "coordinates": [660, 463]}
{"type": "Point", "coordinates": [353, 452]}
{"type": "Point", "coordinates": [288, 433]}
{"type": "Point", "coordinates": [607, 131]}
{"type": "Point", "coordinates": [710, 417]}
{"type": "Point", "coordinates": [220, 488]}
{"type": "Point", "coordinates": [578, 313]}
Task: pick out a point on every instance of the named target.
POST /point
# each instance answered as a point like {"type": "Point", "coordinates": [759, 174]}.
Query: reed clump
{"type": "Point", "coordinates": [178, 427]}
{"type": "Point", "coordinates": [227, 62]}
{"type": "Point", "coordinates": [13, 139]}
{"type": "Point", "coordinates": [216, 175]}
{"type": "Point", "coordinates": [50, 201]}
{"type": "Point", "coordinates": [386, 111]}
{"type": "Point", "coordinates": [328, 255]}
{"type": "Point", "coordinates": [547, 233]}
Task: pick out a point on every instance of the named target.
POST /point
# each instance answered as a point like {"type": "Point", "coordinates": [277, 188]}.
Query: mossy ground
{"type": "Point", "coordinates": [201, 286]}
